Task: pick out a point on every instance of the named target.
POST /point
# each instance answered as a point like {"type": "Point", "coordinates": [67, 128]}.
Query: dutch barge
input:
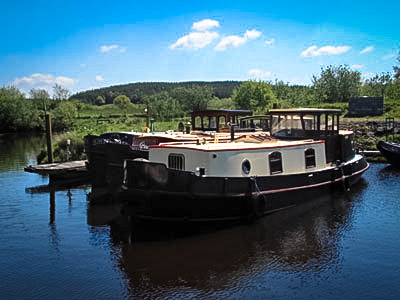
{"type": "Point", "coordinates": [248, 176]}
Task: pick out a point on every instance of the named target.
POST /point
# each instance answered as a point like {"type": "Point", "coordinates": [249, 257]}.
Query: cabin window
{"type": "Point", "coordinates": [246, 166]}
{"type": "Point", "coordinates": [198, 124]}
{"type": "Point", "coordinates": [275, 163]}
{"type": "Point", "coordinates": [309, 156]}
{"type": "Point", "coordinates": [176, 161]}
{"type": "Point", "coordinates": [222, 122]}
{"type": "Point", "coordinates": [213, 123]}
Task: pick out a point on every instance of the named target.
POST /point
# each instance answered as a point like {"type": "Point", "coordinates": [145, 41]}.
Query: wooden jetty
{"type": "Point", "coordinates": [62, 173]}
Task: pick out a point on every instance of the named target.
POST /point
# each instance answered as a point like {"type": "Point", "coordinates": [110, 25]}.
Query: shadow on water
{"type": "Point", "coordinates": [389, 172]}
{"type": "Point", "coordinates": [298, 239]}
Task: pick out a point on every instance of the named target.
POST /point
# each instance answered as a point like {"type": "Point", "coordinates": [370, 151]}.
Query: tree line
{"type": "Point", "coordinates": [165, 101]}
{"type": "Point", "coordinates": [137, 91]}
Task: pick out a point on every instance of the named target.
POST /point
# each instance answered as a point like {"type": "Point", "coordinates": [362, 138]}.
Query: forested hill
{"type": "Point", "coordinates": [136, 91]}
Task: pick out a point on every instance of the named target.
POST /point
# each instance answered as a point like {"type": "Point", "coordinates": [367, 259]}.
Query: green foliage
{"type": "Point", "coordinates": [39, 94]}
{"type": "Point", "coordinates": [293, 95]}
{"type": "Point", "coordinates": [375, 86]}
{"type": "Point", "coordinates": [137, 91]}
{"type": "Point", "coordinates": [225, 103]}
{"type": "Point", "coordinates": [16, 112]}
{"type": "Point", "coordinates": [193, 98]}
{"type": "Point", "coordinates": [256, 96]}
{"type": "Point", "coordinates": [60, 92]}
{"type": "Point", "coordinates": [100, 100]}
{"type": "Point", "coordinates": [122, 102]}
{"type": "Point", "coordinates": [396, 69]}
{"type": "Point", "coordinates": [336, 84]}
{"type": "Point", "coordinates": [392, 91]}
{"type": "Point", "coordinates": [162, 107]}
{"type": "Point", "coordinates": [63, 116]}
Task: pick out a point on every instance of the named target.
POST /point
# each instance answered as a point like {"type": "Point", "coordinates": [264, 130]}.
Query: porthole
{"type": "Point", "coordinates": [246, 166]}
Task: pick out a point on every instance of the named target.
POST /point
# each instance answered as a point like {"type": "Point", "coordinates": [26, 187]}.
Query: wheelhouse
{"type": "Point", "coordinates": [311, 123]}
{"type": "Point", "coordinates": [217, 120]}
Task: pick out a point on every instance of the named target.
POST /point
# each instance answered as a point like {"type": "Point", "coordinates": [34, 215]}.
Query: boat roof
{"type": "Point", "coordinates": [210, 146]}
{"type": "Point", "coordinates": [214, 112]}
{"type": "Point", "coordinates": [255, 117]}
{"type": "Point", "coordinates": [305, 111]}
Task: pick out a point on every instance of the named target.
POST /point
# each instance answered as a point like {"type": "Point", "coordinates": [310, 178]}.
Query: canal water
{"type": "Point", "coordinates": [54, 245]}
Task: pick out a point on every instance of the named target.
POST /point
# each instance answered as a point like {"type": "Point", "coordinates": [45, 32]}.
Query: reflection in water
{"type": "Point", "coordinates": [300, 239]}
{"type": "Point", "coordinates": [18, 151]}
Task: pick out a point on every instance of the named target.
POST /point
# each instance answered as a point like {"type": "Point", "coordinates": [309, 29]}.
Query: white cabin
{"type": "Point", "coordinates": [241, 159]}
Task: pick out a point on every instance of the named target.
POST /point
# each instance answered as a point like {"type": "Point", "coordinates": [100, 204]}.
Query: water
{"type": "Point", "coordinates": [57, 246]}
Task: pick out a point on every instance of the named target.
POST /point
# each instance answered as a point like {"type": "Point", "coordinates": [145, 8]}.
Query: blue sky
{"type": "Point", "coordinates": [89, 44]}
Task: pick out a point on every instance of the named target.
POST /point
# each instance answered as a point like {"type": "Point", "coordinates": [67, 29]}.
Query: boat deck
{"type": "Point", "coordinates": [240, 144]}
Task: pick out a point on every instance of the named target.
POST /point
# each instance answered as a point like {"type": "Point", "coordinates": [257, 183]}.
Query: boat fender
{"type": "Point", "coordinates": [259, 205]}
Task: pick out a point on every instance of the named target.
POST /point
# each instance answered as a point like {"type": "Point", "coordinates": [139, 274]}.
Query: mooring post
{"type": "Point", "coordinates": [48, 138]}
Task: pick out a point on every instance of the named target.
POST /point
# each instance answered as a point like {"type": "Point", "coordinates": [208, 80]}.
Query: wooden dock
{"type": "Point", "coordinates": [62, 173]}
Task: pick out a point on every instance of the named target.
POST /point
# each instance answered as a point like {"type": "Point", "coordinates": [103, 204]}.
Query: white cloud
{"type": "Point", "coordinates": [252, 34]}
{"type": "Point", "coordinates": [109, 48]}
{"type": "Point", "coordinates": [367, 49]}
{"type": "Point", "coordinates": [270, 42]}
{"type": "Point", "coordinates": [38, 79]}
{"type": "Point", "coordinates": [99, 78]}
{"type": "Point", "coordinates": [258, 74]}
{"type": "Point", "coordinates": [195, 40]}
{"type": "Point", "coordinates": [205, 25]}
{"type": "Point", "coordinates": [231, 41]}
{"type": "Point", "coordinates": [234, 41]}
{"type": "Point", "coordinates": [42, 81]}
{"type": "Point", "coordinates": [357, 66]}
{"type": "Point", "coordinates": [326, 50]}
{"type": "Point", "coordinates": [389, 56]}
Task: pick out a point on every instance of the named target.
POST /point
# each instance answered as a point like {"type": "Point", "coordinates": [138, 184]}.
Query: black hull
{"type": "Point", "coordinates": [391, 152]}
{"type": "Point", "coordinates": [163, 194]}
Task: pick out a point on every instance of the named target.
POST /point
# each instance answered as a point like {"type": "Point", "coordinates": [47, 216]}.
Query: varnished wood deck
{"type": "Point", "coordinates": [58, 168]}
{"type": "Point", "coordinates": [62, 173]}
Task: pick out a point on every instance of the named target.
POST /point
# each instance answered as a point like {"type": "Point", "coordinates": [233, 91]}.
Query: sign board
{"type": "Point", "coordinates": [366, 106]}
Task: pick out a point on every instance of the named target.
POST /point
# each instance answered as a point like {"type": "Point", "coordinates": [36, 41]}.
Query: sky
{"type": "Point", "coordinates": [84, 45]}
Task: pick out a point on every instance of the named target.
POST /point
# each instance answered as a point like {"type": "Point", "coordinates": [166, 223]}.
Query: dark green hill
{"type": "Point", "coordinates": [136, 91]}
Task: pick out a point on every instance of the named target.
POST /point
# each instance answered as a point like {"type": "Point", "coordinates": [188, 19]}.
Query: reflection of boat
{"type": "Point", "coordinates": [300, 239]}
{"type": "Point", "coordinates": [246, 177]}
{"type": "Point", "coordinates": [391, 151]}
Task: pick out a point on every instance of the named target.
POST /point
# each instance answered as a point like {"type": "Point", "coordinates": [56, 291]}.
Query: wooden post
{"type": "Point", "coordinates": [48, 138]}
{"type": "Point", "coordinates": [147, 117]}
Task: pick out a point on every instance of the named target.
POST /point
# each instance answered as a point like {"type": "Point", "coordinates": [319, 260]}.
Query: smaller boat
{"type": "Point", "coordinates": [391, 151]}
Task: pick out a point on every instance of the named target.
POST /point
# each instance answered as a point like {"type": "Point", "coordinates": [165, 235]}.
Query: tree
{"type": "Point", "coordinates": [39, 94]}
{"type": "Point", "coordinates": [375, 86]}
{"type": "Point", "coordinates": [60, 93]}
{"type": "Point", "coordinates": [256, 96]}
{"type": "Point", "coordinates": [100, 100]}
{"type": "Point", "coordinates": [162, 106]}
{"type": "Point", "coordinates": [63, 116]}
{"type": "Point", "coordinates": [16, 112]}
{"type": "Point", "coordinates": [397, 68]}
{"type": "Point", "coordinates": [122, 101]}
{"type": "Point", "coordinates": [336, 84]}
{"type": "Point", "coordinates": [193, 98]}
{"type": "Point", "coordinates": [392, 91]}
{"type": "Point", "coordinates": [224, 103]}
